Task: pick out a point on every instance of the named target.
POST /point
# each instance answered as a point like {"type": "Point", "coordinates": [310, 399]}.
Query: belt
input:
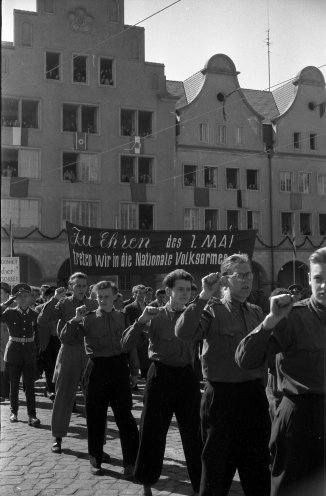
{"type": "Point", "coordinates": [21, 340]}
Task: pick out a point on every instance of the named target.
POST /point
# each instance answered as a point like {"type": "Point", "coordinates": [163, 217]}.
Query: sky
{"type": "Point", "coordinates": [185, 35]}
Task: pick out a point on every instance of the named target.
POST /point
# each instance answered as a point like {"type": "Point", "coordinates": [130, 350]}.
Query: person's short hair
{"type": "Point", "coordinates": [148, 289]}
{"type": "Point", "coordinates": [318, 256]}
{"type": "Point", "coordinates": [50, 291]}
{"type": "Point", "coordinates": [229, 262]}
{"type": "Point", "coordinates": [105, 285]}
{"type": "Point", "coordinates": [160, 291]}
{"type": "Point", "coordinates": [138, 287]}
{"type": "Point", "coordinates": [169, 279]}
{"type": "Point", "coordinates": [77, 275]}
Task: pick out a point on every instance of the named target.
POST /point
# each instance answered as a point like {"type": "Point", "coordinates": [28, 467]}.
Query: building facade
{"type": "Point", "coordinates": [94, 134]}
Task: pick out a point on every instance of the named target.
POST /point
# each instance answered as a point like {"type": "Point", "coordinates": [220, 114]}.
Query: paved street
{"type": "Point", "coordinates": [29, 468]}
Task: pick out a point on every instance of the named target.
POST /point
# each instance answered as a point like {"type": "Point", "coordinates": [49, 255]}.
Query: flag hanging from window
{"type": "Point", "coordinates": [81, 141]}
{"type": "Point", "coordinates": [201, 197]}
{"type": "Point", "coordinates": [138, 192]}
{"type": "Point", "coordinates": [19, 187]}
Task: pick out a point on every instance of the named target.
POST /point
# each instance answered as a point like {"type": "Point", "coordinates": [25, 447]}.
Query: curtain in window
{"type": "Point", "coordinates": [29, 163]}
{"type": "Point", "coordinates": [129, 216]}
{"type": "Point", "coordinates": [191, 218]}
{"type": "Point", "coordinates": [87, 167]}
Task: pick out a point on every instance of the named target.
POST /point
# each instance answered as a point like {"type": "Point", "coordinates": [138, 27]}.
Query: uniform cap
{"type": "Point", "coordinates": [295, 288]}
{"type": "Point", "coordinates": [21, 288]}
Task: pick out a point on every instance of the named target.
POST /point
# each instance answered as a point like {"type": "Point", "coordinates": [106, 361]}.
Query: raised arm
{"type": "Point", "coordinates": [132, 334]}
{"type": "Point", "coordinates": [254, 349]}
{"type": "Point", "coordinates": [194, 322]}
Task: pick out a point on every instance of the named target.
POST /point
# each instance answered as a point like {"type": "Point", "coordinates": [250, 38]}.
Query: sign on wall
{"type": "Point", "coordinates": [10, 270]}
{"type": "Point", "coordinates": [113, 251]}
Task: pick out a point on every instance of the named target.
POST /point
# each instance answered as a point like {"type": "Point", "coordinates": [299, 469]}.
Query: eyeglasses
{"type": "Point", "coordinates": [240, 277]}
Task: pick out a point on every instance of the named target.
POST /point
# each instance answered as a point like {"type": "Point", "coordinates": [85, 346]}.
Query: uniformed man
{"type": "Point", "coordinates": [106, 379]}
{"type": "Point", "coordinates": [171, 386]}
{"type": "Point", "coordinates": [234, 410]}
{"type": "Point", "coordinates": [297, 335]}
{"type": "Point", "coordinates": [21, 350]}
{"type": "Point", "coordinates": [71, 358]}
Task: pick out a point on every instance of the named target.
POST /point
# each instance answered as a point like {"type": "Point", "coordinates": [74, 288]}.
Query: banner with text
{"type": "Point", "coordinates": [114, 251]}
{"type": "Point", "coordinates": [10, 270]}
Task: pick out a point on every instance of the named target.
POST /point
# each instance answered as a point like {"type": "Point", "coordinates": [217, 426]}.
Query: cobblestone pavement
{"type": "Point", "coordinates": [29, 468]}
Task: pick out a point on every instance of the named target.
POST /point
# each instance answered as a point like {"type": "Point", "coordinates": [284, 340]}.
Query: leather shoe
{"type": "Point", "coordinates": [96, 470]}
{"type": "Point", "coordinates": [147, 491]}
{"type": "Point", "coordinates": [33, 421]}
{"type": "Point", "coordinates": [13, 418]}
{"type": "Point", "coordinates": [56, 447]}
{"type": "Point", "coordinates": [128, 471]}
{"type": "Point", "coordinates": [106, 458]}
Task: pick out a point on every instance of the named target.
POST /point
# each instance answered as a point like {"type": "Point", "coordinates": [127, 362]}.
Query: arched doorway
{"type": "Point", "coordinates": [291, 273]}
{"type": "Point", "coordinates": [30, 271]}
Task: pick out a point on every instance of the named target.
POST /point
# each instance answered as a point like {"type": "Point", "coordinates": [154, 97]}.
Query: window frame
{"type": "Point", "coordinates": [113, 60]}
{"type": "Point", "coordinates": [285, 182]}
{"type": "Point", "coordinates": [19, 151]}
{"type": "Point", "coordinates": [195, 171]}
{"type": "Point", "coordinates": [79, 201]}
{"type": "Point", "coordinates": [217, 211]}
{"type": "Point", "coordinates": [290, 227]}
{"type": "Point", "coordinates": [313, 141]}
{"type": "Point", "coordinates": [221, 137]}
{"type": "Point", "coordinates": [60, 66]}
{"type": "Point", "coordinates": [258, 229]}
{"type": "Point", "coordinates": [302, 190]}
{"type": "Point", "coordinates": [78, 154]}
{"type": "Point", "coordinates": [136, 207]}
{"type": "Point", "coordinates": [136, 172]}
{"type": "Point", "coordinates": [213, 168]}
{"type": "Point", "coordinates": [76, 55]}
{"type": "Point", "coordinates": [203, 132]}
{"type": "Point", "coordinates": [19, 121]}
{"type": "Point", "coordinates": [79, 117]}
{"type": "Point", "coordinates": [237, 178]}
{"type": "Point", "coordinates": [239, 136]}
{"type": "Point", "coordinates": [238, 220]}
{"type": "Point", "coordinates": [320, 224]}
{"type": "Point", "coordinates": [256, 171]}
{"type": "Point", "coordinates": [297, 143]}
{"type": "Point", "coordinates": [310, 233]}
{"type": "Point", "coordinates": [22, 208]}
{"type": "Point", "coordinates": [135, 118]}
{"type": "Point", "coordinates": [321, 185]}
{"type": "Point", "coordinates": [191, 227]}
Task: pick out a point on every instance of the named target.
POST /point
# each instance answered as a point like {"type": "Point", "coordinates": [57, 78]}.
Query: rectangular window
{"type": "Point", "coordinates": [211, 220]}
{"type": "Point", "coordinates": [232, 220]}
{"type": "Point", "coordinates": [82, 118]}
{"type": "Point", "coordinates": [22, 163]}
{"type": "Point", "coordinates": [53, 65]}
{"type": "Point", "coordinates": [221, 134]}
{"type": "Point", "coordinates": [145, 126]}
{"type": "Point", "coordinates": [297, 141]}
{"type": "Point", "coordinates": [85, 213]}
{"type": "Point", "coordinates": [286, 180]}
{"type": "Point", "coordinates": [252, 179]}
{"type": "Point", "coordinates": [305, 224]}
{"type": "Point", "coordinates": [191, 218]}
{"type": "Point", "coordinates": [304, 180]}
{"type": "Point", "coordinates": [286, 223]}
{"type": "Point", "coordinates": [124, 282]}
{"type": "Point", "coordinates": [80, 69]}
{"type": "Point", "coordinates": [232, 178]}
{"type": "Point", "coordinates": [136, 216]}
{"type": "Point", "coordinates": [203, 132]}
{"type": "Point", "coordinates": [322, 224]}
{"type": "Point", "coordinates": [9, 112]}
{"type": "Point", "coordinates": [128, 122]}
{"type": "Point", "coordinates": [210, 177]}
{"type": "Point", "coordinates": [189, 175]}
{"type": "Point", "coordinates": [22, 213]}
{"type": "Point", "coordinates": [30, 116]}
{"type": "Point", "coordinates": [81, 167]}
{"type": "Point", "coordinates": [239, 136]}
{"type": "Point", "coordinates": [136, 169]}
{"type": "Point", "coordinates": [106, 72]}
{"type": "Point", "coordinates": [254, 220]}
{"type": "Point", "coordinates": [313, 141]}
{"type": "Point", "coordinates": [322, 184]}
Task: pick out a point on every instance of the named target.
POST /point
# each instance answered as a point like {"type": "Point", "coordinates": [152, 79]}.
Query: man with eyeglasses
{"type": "Point", "coordinates": [234, 410]}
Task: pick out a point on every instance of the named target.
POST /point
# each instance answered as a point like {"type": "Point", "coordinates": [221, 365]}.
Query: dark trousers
{"type": "Point", "coordinates": [107, 383]}
{"type": "Point", "coordinates": [49, 357]}
{"type": "Point", "coordinates": [14, 371]}
{"type": "Point", "coordinates": [169, 390]}
{"type": "Point", "coordinates": [4, 385]}
{"type": "Point", "coordinates": [298, 447]}
{"type": "Point", "coordinates": [235, 430]}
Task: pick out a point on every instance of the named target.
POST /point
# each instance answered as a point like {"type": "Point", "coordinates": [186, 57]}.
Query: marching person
{"type": "Point", "coordinates": [234, 410]}
{"type": "Point", "coordinates": [71, 358]}
{"type": "Point", "coordinates": [21, 350]}
{"type": "Point", "coordinates": [297, 335]}
{"type": "Point", "coordinates": [106, 378]}
{"type": "Point", "coordinates": [4, 337]}
{"type": "Point", "coordinates": [171, 386]}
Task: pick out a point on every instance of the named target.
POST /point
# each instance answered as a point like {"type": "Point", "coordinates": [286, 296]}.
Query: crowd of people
{"type": "Point", "coordinates": [262, 408]}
